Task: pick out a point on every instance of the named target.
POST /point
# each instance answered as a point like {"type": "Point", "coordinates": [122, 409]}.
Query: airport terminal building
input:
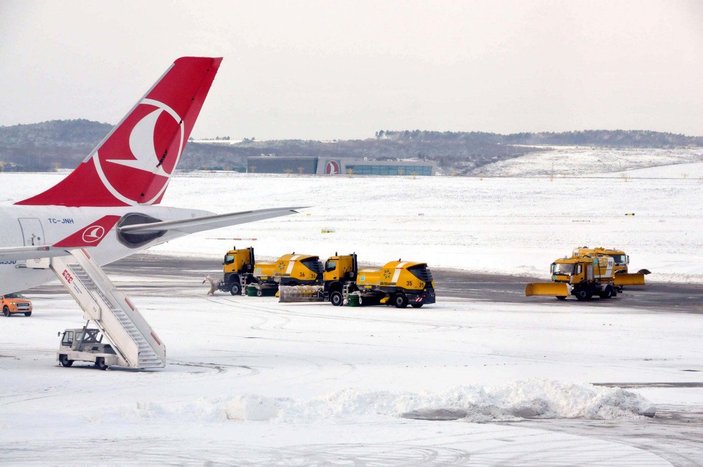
{"type": "Point", "coordinates": [336, 166]}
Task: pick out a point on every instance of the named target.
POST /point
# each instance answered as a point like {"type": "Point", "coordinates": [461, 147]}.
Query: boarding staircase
{"type": "Point", "coordinates": [135, 343]}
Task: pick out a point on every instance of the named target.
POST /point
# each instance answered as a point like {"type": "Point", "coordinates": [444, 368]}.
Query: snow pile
{"type": "Point", "coordinates": [522, 400]}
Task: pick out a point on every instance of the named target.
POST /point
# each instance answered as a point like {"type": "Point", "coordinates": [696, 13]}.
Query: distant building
{"type": "Point", "coordinates": [335, 166]}
{"type": "Point", "coordinates": [384, 168]}
{"type": "Point", "coordinates": [282, 165]}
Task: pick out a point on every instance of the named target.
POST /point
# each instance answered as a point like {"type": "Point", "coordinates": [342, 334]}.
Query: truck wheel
{"type": "Point", "coordinates": [236, 289]}
{"type": "Point", "coordinates": [63, 359]}
{"type": "Point", "coordinates": [336, 298]}
{"type": "Point", "coordinates": [400, 300]}
{"type": "Point", "coordinates": [608, 292]}
{"type": "Point", "coordinates": [582, 294]}
{"type": "Point", "coordinates": [28, 313]}
{"type": "Point", "coordinates": [5, 311]}
{"type": "Point", "coordinates": [100, 363]}
{"type": "Point", "coordinates": [259, 292]}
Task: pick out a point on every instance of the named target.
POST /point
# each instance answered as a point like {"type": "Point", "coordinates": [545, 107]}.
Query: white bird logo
{"type": "Point", "coordinates": [144, 156]}
{"type": "Point", "coordinates": [141, 141]}
{"type": "Point", "coordinates": [93, 233]}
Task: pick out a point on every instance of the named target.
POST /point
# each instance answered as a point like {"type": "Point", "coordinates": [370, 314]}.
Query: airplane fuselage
{"type": "Point", "coordinates": [46, 225]}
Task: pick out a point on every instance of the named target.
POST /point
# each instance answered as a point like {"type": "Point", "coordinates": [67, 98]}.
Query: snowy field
{"type": "Point", "coordinates": [462, 382]}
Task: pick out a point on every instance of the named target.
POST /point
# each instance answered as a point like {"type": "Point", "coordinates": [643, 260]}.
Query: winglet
{"type": "Point", "coordinates": [90, 235]}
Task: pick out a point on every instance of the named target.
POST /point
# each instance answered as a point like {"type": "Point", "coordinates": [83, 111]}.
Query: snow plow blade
{"type": "Point", "coordinates": [548, 289]}
{"type": "Point", "coordinates": [628, 279]}
{"type": "Point", "coordinates": [301, 293]}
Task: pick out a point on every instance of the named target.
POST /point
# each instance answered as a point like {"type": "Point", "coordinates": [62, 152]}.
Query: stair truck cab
{"type": "Point", "coordinates": [580, 276]}
{"type": "Point", "coordinates": [85, 345]}
{"type": "Point", "coordinates": [238, 270]}
{"type": "Point", "coordinates": [398, 283]}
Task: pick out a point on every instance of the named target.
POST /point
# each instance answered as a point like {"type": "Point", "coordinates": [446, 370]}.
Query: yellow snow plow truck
{"type": "Point", "coordinates": [398, 283]}
{"type": "Point", "coordinates": [622, 276]}
{"type": "Point", "coordinates": [238, 269]}
{"type": "Point", "coordinates": [580, 276]}
{"type": "Point", "coordinates": [241, 272]}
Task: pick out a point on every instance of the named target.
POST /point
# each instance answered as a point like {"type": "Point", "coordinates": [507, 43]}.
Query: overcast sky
{"type": "Point", "coordinates": [344, 69]}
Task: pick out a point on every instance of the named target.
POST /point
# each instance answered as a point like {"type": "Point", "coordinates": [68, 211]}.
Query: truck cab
{"type": "Point", "coordinates": [587, 276]}
{"type": "Point", "coordinates": [340, 272]}
{"type": "Point", "coordinates": [86, 345]}
{"type": "Point", "coordinates": [238, 269]}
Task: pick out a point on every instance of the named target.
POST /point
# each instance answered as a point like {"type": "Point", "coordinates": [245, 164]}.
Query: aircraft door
{"type": "Point", "coordinates": [32, 231]}
{"type": "Point", "coordinates": [33, 235]}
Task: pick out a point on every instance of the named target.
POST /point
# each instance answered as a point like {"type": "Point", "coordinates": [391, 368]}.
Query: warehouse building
{"type": "Point", "coordinates": [335, 166]}
{"type": "Point", "coordinates": [282, 165]}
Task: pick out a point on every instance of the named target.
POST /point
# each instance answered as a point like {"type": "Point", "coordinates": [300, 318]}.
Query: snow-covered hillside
{"type": "Point", "coordinates": [587, 161]}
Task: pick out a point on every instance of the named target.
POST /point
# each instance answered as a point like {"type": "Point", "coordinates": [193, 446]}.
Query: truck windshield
{"type": "Point", "coordinates": [558, 268]}
{"type": "Point", "coordinates": [67, 338]}
{"type": "Point", "coordinates": [620, 259]}
{"type": "Point", "coordinates": [13, 295]}
{"type": "Point", "coordinates": [330, 265]}
{"type": "Point", "coordinates": [229, 259]}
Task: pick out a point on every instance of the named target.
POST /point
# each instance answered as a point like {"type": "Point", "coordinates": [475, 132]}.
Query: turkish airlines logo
{"type": "Point", "coordinates": [93, 233]}
{"type": "Point", "coordinates": [138, 158]}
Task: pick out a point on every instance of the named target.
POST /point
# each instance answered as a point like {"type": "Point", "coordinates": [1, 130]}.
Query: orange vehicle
{"type": "Point", "coordinates": [15, 303]}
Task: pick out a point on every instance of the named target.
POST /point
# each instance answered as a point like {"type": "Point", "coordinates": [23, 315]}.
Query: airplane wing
{"type": "Point", "coordinates": [91, 235]}
{"type": "Point", "coordinates": [198, 224]}
{"type": "Point", "coordinates": [18, 253]}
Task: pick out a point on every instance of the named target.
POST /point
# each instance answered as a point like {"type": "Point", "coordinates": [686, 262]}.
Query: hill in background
{"type": "Point", "coordinates": [64, 143]}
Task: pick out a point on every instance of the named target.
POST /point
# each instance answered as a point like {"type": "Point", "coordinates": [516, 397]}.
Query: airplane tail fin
{"type": "Point", "coordinates": [133, 164]}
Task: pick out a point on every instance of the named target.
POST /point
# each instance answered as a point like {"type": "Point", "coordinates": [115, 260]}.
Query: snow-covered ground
{"type": "Point", "coordinates": [252, 381]}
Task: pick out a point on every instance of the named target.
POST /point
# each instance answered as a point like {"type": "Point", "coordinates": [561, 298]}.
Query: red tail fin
{"type": "Point", "coordinates": [133, 164]}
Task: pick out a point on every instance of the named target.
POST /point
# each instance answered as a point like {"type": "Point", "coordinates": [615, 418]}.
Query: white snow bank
{"type": "Point", "coordinates": [520, 400]}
